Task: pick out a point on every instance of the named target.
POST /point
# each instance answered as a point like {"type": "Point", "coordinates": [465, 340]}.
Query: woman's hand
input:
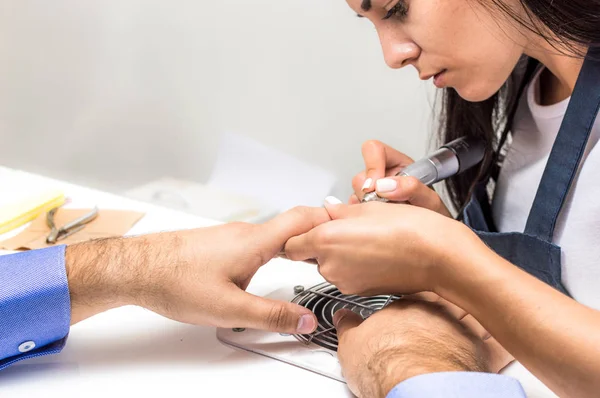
{"type": "Point", "coordinates": [196, 276]}
{"type": "Point", "coordinates": [379, 248]}
{"type": "Point", "coordinates": [382, 164]}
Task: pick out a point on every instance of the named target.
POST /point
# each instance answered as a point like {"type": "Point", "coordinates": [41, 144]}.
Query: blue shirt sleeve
{"type": "Point", "coordinates": [35, 307]}
{"type": "Point", "coordinates": [459, 385]}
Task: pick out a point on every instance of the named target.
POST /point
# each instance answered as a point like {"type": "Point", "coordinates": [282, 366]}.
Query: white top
{"type": "Point", "coordinates": [578, 228]}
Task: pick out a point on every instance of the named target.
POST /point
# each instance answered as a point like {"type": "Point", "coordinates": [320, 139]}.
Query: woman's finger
{"type": "Point", "coordinates": [411, 190]}
{"type": "Point", "coordinates": [429, 297]}
{"type": "Point", "coordinates": [498, 356]}
{"type": "Point", "coordinates": [379, 158]}
{"type": "Point", "coordinates": [454, 310]}
{"type": "Point", "coordinates": [475, 327]}
{"type": "Point", "coordinates": [345, 320]}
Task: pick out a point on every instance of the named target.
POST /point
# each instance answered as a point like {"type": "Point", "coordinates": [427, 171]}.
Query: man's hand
{"type": "Point", "coordinates": [406, 339]}
{"type": "Point", "coordinates": [196, 276]}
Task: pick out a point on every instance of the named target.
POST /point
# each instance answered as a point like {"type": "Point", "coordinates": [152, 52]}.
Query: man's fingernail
{"type": "Point", "coordinates": [306, 324]}
{"type": "Point", "coordinates": [386, 185]}
{"type": "Point", "coordinates": [332, 200]}
{"type": "Point", "coordinates": [367, 184]}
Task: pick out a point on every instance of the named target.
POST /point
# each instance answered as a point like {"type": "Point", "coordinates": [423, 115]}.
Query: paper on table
{"type": "Point", "coordinates": [250, 168]}
{"type": "Point", "coordinates": [109, 223]}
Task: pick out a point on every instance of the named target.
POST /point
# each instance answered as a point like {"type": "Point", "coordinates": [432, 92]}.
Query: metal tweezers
{"type": "Point", "coordinates": [59, 233]}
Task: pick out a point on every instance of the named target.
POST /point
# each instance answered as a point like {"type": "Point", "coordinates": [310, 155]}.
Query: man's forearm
{"type": "Point", "coordinates": [405, 340]}
{"type": "Point", "coordinates": [555, 337]}
{"type": "Point", "coordinates": [110, 273]}
{"type": "Point", "coordinates": [91, 273]}
{"type": "Point", "coordinates": [424, 356]}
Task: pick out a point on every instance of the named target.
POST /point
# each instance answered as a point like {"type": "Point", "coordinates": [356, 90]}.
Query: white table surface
{"type": "Point", "coordinates": [134, 352]}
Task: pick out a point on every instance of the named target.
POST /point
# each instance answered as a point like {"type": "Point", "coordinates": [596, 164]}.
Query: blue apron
{"type": "Point", "coordinates": [533, 250]}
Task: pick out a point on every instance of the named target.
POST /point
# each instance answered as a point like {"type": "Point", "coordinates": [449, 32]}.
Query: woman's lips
{"type": "Point", "coordinates": [439, 80]}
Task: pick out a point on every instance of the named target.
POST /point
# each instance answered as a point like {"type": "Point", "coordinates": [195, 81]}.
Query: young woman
{"type": "Point", "coordinates": [526, 262]}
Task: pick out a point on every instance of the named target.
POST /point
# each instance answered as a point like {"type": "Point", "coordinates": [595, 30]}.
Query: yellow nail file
{"type": "Point", "coordinates": [14, 215]}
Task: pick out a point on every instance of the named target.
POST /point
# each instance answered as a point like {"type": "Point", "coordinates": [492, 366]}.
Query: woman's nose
{"type": "Point", "coordinates": [399, 52]}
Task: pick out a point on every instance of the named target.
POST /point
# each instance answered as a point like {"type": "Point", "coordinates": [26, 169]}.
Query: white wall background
{"type": "Point", "coordinates": [114, 93]}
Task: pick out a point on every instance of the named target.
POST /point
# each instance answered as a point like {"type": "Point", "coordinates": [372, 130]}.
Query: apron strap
{"type": "Point", "coordinates": [568, 150]}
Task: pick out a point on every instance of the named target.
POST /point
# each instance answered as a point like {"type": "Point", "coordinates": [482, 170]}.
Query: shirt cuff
{"type": "Point", "coordinates": [35, 307]}
{"type": "Point", "coordinates": [459, 385]}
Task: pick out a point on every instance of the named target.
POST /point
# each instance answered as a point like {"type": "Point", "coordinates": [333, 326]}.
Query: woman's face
{"type": "Point", "coordinates": [459, 43]}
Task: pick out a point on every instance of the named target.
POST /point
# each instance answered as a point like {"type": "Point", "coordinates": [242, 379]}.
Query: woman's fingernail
{"type": "Point", "coordinates": [367, 184]}
{"type": "Point", "coordinates": [386, 185]}
{"type": "Point", "coordinates": [306, 324]}
{"type": "Point", "coordinates": [332, 200]}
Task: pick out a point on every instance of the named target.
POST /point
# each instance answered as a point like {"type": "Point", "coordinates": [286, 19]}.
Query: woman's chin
{"type": "Point", "coordinates": [475, 93]}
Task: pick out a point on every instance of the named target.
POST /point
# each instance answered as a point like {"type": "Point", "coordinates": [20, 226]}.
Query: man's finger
{"type": "Point", "coordinates": [338, 210]}
{"type": "Point", "coordinates": [311, 245]}
{"type": "Point", "coordinates": [345, 320]}
{"type": "Point", "coordinates": [293, 223]}
{"type": "Point", "coordinates": [314, 242]}
{"type": "Point", "coordinates": [265, 314]}
{"type": "Point", "coordinates": [303, 247]}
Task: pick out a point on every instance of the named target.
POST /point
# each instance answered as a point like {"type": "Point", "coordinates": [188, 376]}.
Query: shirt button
{"type": "Point", "coordinates": [26, 346]}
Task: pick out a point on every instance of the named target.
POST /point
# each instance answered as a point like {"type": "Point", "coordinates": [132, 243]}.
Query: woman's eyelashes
{"type": "Point", "coordinates": [399, 10]}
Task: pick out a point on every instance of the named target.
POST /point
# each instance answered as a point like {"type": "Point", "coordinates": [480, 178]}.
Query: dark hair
{"type": "Point", "coordinates": [567, 25]}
